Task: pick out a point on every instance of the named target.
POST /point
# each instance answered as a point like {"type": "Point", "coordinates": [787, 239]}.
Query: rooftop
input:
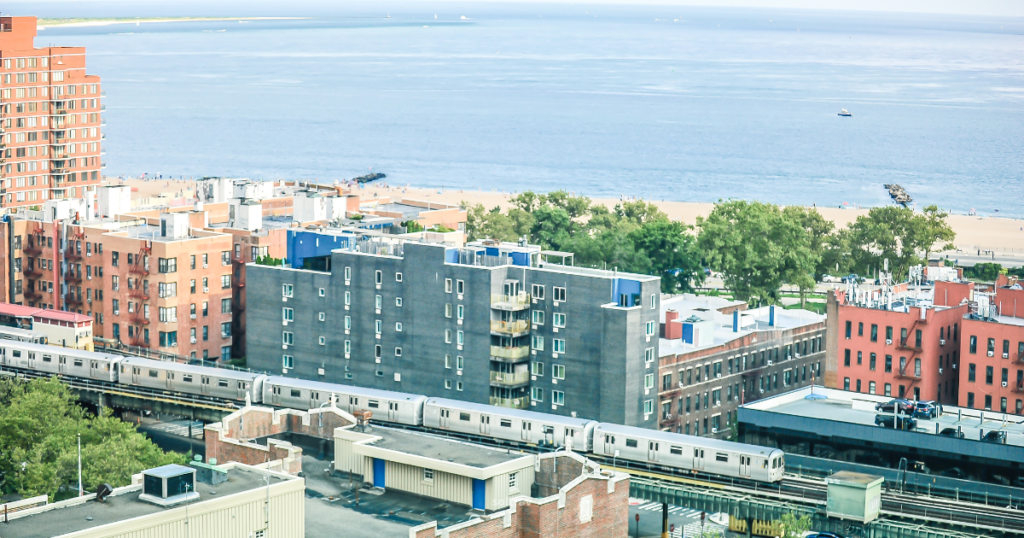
{"type": "Point", "coordinates": [840, 406]}
{"type": "Point", "coordinates": [20, 311]}
{"type": "Point", "coordinates": [440, 448]}
{"type": "Point", "coordinates": [58, 519]}
{"type": "Point", "coordinates": [750, 321]}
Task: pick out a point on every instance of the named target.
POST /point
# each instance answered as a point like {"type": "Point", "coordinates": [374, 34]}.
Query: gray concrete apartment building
{"type": "Point", "coordinates": [489, 322]}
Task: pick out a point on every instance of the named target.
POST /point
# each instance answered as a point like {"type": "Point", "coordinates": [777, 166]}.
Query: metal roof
{"type": "Point", "coordinates": [348, 389]}
{"type": "Point", "coordinates": [506, 412]}
{"type": "Point", "coordinates": [190, 369]}
{"type": "Point", "coordinates": [682, 439]}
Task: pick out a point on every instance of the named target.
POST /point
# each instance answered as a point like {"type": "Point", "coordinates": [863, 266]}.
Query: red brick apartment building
{"type": "Point", "coordinates": [50, 119]}
{"type": "Point", "coordinates": [904, 346]}
{"type": "Point", "coordinates": [992, 351]}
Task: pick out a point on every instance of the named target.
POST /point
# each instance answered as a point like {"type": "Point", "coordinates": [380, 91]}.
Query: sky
{"type": "Point", "coordinates": [1006, 8]}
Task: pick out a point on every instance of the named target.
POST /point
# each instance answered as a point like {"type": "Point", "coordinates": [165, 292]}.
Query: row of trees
{"type": "Point", "coordinates": [39, 425]}
{"type": "Point", "coordinates": [757, 247]}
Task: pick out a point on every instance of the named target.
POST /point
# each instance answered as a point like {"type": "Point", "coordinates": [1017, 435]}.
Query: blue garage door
{"type": "Point", "coordinates": [479, 495]}
{"type": "Point", "coordinates": [378, 473]}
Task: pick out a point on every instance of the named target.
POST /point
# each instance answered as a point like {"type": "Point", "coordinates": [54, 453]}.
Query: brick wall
{"type": "Point", "coordinates": [228, 440]}
{"type": "Point", "coordinates": [564, 514]}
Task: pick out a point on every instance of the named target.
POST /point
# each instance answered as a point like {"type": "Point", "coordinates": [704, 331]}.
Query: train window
{"type": "Point", "coordinates": [352, 400]}
{"type": "Point", "coordinates": [722, 457]}
{"type": "Point", "coordinates": [47, 358]}
{"type": "Point", "coordinates": [16, 352]}
{"type": "Point", "coordinates": [296, 393]}
{"type": "Point", "coordinates": [186, 378]}
{"type": "Point", "coordinates": [549, 430]}
{"type": "Point", "coordinates": [374, 404]}
{"type": "Point", "coordinates": [170, 375]}
{"type": "Point", "coordinates": [631, 443]}
{"type": "Point", "coordinates": [464, 416]}
{"type": "Point", "coordinates": [78, 362]}
{"type": "Point", "coordinates": [609, 439]}
{"type": "Point", "coordinates": [505, 423]}
{"type": "Point", "coordinates": [527, 426]}
{"type": "Point", "coordinates": [154, 373]}
{"type": "Point", "coordinates": [676, 450]}
{"type": "Point", "coordinates": [222, 383]}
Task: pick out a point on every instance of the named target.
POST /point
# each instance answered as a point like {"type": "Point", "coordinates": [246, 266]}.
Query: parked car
{"type": "Point", "coordinates": [903, 422]}
{"type": "Point", "coordinates": [905, 406]}
{"type": "Point", "coordinates": [830, 279]}
{"type": "Point", "coordinates": [929, 409]}
{"type": "Point", "coordinates": [954, 472]}
{"type": "Point", "coordinates": [952, 432]}
{"type": "Point", "coordinates": [851, 278]}
{"type": "Point", "coordinates": [995, 436]}
{"type": "Point", "coordinates": [823, 535]}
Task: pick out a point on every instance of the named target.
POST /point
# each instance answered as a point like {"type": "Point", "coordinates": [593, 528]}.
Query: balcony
{"type": "Point", "coordinates": [909, 373]}
{"type": "Point", "coordinates": [510, 303]}
{"type": "Point", "coordinates": [72, 299]}
{"type": "Point", "coordinates": [34, 272]}
{"type": "Point", "coordinates": [1018, 387]}
{"type": "Point", "coordinates": [33, 249]}
{"type": "Point", "coordinates": [510, 328]}
{"type": "Point", "coordinates": [32, 295]}
{"type": "Point", "coordinates": [72, 276]}
{"type": "Point", "coordinates": [510, 380]}
{"type": "Point", "coordinates": [72, 254]}
{"type": "Point", "coordinates": [511, 403]}
{"type": "Point", "coordinates": [510, 354]}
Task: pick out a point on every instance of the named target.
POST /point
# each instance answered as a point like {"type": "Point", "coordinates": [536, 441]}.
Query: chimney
{"type": "Point", "coordinates": [673, 329]}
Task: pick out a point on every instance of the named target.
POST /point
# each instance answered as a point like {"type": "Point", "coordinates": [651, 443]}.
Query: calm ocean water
{"type": "Point", "coordinates": [675, 103]}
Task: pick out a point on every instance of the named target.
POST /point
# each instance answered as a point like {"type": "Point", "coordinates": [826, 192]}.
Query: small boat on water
{"type": "Point", "coordinates": [844, 112]}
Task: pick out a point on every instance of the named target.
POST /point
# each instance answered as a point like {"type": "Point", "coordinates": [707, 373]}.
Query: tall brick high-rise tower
{"type": "Point", "coordinates": [50, 119]}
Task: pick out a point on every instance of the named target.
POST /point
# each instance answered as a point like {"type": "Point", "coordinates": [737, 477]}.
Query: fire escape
{"type": "Point", "coordinates": [908, 369]}
{"type": "Point", "coordinates": [73, 255]}
{"type": "Point", "coordinates": [138, 293]}
{"type": "Point", "coordinates": [34, 271]}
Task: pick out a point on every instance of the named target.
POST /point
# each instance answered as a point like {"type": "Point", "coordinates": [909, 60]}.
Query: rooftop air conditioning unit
{"type": "Point", "coordinates": [1004, 384]}
{"type": "Point", "coordinates": [942, 341]}
{"type": "Point", "coordinates": [169, 485]}
{"type": "Point", "coordinates": [991, 353]}
{"type": "Point", "coordinates": [888, 341]}
{"type": "Point", "coordinates": [1006, 355]}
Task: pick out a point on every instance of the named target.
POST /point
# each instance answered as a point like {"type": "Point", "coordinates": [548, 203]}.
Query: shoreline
{"type": "Point", "coordinates": [108, 22]}
{"type": "Point", "coordinates": [1001, 235]}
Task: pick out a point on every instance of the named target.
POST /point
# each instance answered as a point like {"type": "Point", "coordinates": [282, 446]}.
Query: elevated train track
{"type": "Point", "coordinates": [940, 508]}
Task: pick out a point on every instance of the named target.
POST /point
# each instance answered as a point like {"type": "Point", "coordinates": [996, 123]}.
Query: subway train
{"type": "Point", "coordinates": [657, 448]}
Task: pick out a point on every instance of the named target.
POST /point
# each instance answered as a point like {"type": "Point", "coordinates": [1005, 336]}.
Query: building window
{"type": "Point", "coordinates": [225, 282]}
{"type": "Point", "coordinates": [460, 287]}
{"type": "Point", "coordinates": [537, 342]}
{"type": "Point", "coordinates": [537, 394]}
{"type": "Point", "coordinates": [874, 332]}
{"type": "Point", "coordinates": [168, 339]}
{"type": "Point", "coordinates": [971, 373]}
{"type": "Point", "coordinates": [888, 363]}
{"type": "Point", "coordinates": [398, 302]}
{"type": "Point", "coordinates": [460, 362]}
{"type": "Point", "coordinates": [447, 336]}
{"type": "Point", "coordinates": [649, 381]}
{"type": "Point", "coordinates": [650, 328]}
{"type": "Point", "coordinates": [428, 474]}
{"type": "Point", "coordinates": [398, 277]}
{"type": "Point", "coordinates": [460, 338]}
{"type": "Point", "coordinates": [871, 363]}
{"type": "Point", "coordinates": [649, 355]}
{"type": "Point", "coordinates": [888, 389]}
{"type": "Point", "coordinates": [287, 290]}
{"type": "Point", "coordinates": [849, 325]}
{"type": "Point", "coordinates": [846, 383]}
{"type": "Point", "coordinates": [378, 326]}
{"type": "Point", "coordinates": [448, 362]}
{"type": "Point", "coordinates": [167, 265]}
{"type": "Point", "coordinates": [287, 361]}
{"type": "Point", "coordinates": [846, 358]}
{"type": "Point", "coordinates": [398, 352]}
{"type": "Point", "coordinates": [448, 384]}
{"type": "Point", "coordinates": [225, 257]}
{"type": "Point", "coordinates": [974, 344]}
{"type": "Point", "coordinates": [538, 292]}
{"type": "Point", "coordinates": [558, 398]}
{"type": "Point", "coordinates": [398, 326]}
{"type": "Point", "coordinates": [860, 358]}
{"type": "Point", "coordinates": [558, 345]}
{"type": "Point", "coordinates": [871, 387]}
{"type": "Point", "coordinates": [458, 385]}
{"type": "Point", "coordinates": [513, 481]}
{"type": "Point", "coordinates": [537, 317]}
{"type": "Point", "coordinates": [322, 316]}
{"type": "Point", "coordinates": [322, 340]}
{"type": "Point", "coordinates": [537, 369]}
{"type": "Point", "coordinates": [323, 292]}
{"type": "Point", "coordinates": [287, 338]}
{"type": "Point", "coordinates": [225, 305]}
{"type": "Point", "coordinates": [448, 286]}
{"type": "Point", "coordinates": [558, 320]}
{"type": "Point", "coordinates": [988, 375]}
{"type": "Point", "coordinates": [648, 405]}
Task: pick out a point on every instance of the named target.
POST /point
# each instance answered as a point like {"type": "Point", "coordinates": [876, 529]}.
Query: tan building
{"type": "Point", "coordinates": [67, 329]}
{"type": "Point", "coordinates": [250, 503]}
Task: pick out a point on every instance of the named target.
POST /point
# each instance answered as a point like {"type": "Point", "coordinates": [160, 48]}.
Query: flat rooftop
{"type": "Point", "coordinates": [842, 407]}
{"type": "Point", "coordinates": [750, 321]}
{"type": "Point", "coordinates": [65, 520]}
{"type": "Point", "coordinates": [331, 505]}
{"type": "Point", "coordinates": [440, 448]}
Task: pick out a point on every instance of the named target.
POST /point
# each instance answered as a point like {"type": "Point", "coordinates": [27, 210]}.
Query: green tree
{"type": "Point", "coordinates": [793, 526]}
{"type": "Point", "coordinates": [757, 248]}
{"type": "Point", "coordinates": [673, 254]}
{"type": "Point", "coordinates": [39, 426]}
{"type": "Point", "coordinates": [898, 235]}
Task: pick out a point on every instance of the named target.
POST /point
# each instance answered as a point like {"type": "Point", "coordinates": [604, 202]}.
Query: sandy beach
{"type": "Point", "coordinates": [1003, 236]}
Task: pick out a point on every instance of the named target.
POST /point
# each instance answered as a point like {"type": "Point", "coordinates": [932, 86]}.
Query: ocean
{"type": "Point", "coordinates": [675, 103]}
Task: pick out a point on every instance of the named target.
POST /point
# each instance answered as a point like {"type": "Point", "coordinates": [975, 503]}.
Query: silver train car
{"type": "Point", "coordinates": [186, 378]}
{"type": "Point", "coordinates": [22, 335]}
{"type": "Point", "coordinates": [508, 424]}
{"type": "Point", "coordinates": [387, 406]}
{"type": "Point", "coordinates": [59, 360]}
{"type": "Point", "coordinates": [673, 450]}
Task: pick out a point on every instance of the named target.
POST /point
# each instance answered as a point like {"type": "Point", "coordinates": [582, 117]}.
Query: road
{"type": "Point", "coordinates": [685, 520]}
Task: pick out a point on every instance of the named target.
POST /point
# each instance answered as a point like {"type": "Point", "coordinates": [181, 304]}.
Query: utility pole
{"type": "Point", "coordinates": [80, 493]}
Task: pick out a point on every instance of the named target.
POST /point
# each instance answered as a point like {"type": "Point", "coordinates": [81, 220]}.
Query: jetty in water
{"type": "Point", "coordinates": [898, 194]}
